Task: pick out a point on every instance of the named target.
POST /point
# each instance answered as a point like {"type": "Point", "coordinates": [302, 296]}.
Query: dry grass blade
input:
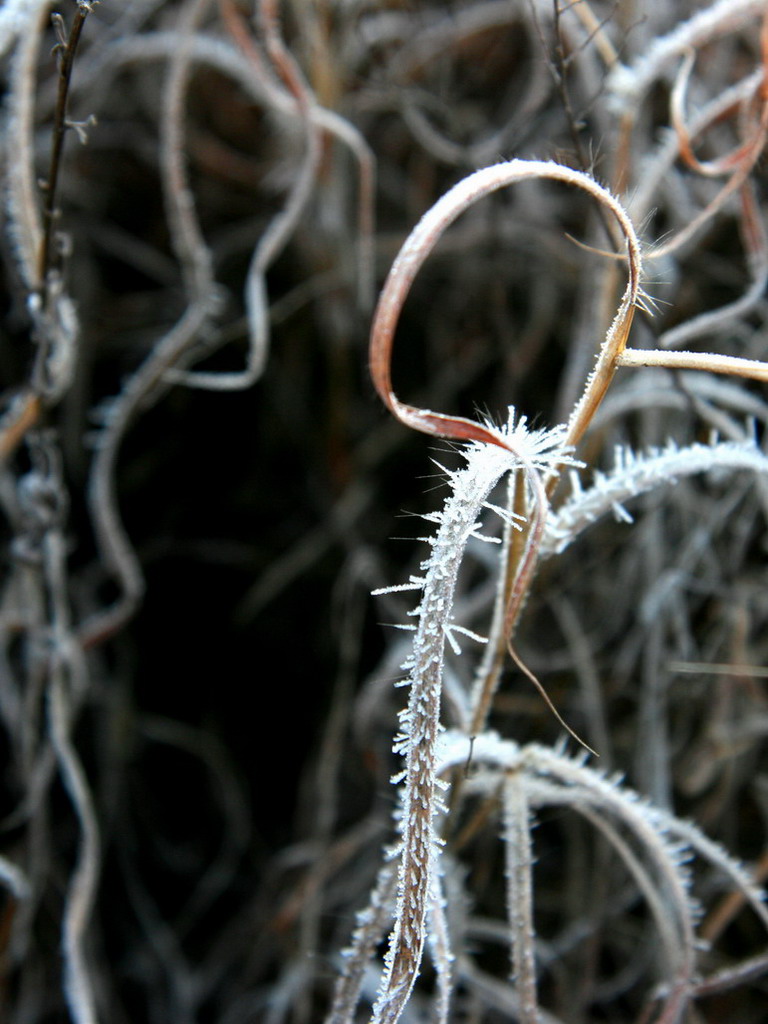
{"type": "Point", "coordinates": [417, 248]}
{"type": "Point", "coordinates": [519, 873]}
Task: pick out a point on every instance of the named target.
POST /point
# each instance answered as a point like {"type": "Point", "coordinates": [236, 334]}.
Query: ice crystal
{"type": "Point", "coordinates": [635, 474]}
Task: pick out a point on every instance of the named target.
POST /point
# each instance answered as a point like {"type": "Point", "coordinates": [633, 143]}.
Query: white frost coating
{"type": "Point", "coordinates": [665, 842]}
{"type": "Point", "coordinates": [419, 722]}
{"type": "Point", "coordinates": [628, 84]}
{"type": "Point", "coordinates": [542, 451]}
{"type": "Point", "coordinates": [680, 838]}
{"type": "Point", "coordinates": [637, 474]}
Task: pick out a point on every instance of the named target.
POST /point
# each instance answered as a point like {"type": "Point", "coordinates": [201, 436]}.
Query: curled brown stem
{"type": "Point", "coordinates": [418, 246]}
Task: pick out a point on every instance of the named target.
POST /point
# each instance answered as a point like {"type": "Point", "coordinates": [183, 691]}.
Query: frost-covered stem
{"type": "Point", "coordinates": [634, 475]}
{"type": "Point", "coordinates": [551, 778]}
{"type": "Point", "coordinates": [629, 84]}
{"type": "Point", "coordinates": [519, 861]}
{"type": "Point", "coordinates": [610, 352]}
{"type": "Point", "coordinates": [370, 927]}
{"type": "Point", "coordinates": [606, 796]}
{"type": "Point", "coordinates": [440, 950]}
{"type": "Point", "coordinates": [669, 938]}
{"type": "Point", "coordinates": [420, 724]}
{"type": "Point", "coordinates": [734, 366]}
